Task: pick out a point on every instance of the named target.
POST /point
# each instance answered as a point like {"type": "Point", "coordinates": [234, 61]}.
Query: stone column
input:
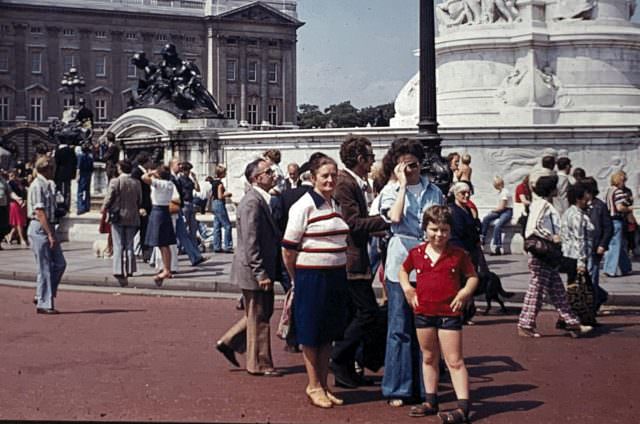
{"type": "Point", "coordinates": [219, 73]}
{"type": "Point", "coordinates": [264, 83]}
{"type": "Point", "coordinates": [87, 66]}
{"type": "Point", "coordinates": [147, 45]}
{"type": "Point", "coordinates": [242, 78]}
{"type": "Point", "coordinates": [117, 75]}
{"type": "Point", "coordinates": [20, 57]}
{"type": "Point", "coordinates": [54, 72]}
{"type": "Point", "coordinates": [288, 82]}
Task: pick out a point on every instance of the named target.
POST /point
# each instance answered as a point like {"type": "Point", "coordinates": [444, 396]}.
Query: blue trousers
{"type": "Point", "coordinates": [616, 257]}
{"type": "Point", "coordinates": [500, 219]}
{"type": "Point", "coordinates": [402, 363]}
{"type": "Point", "coordinates": [84, 194]}
{"type": "Point", "coordinates": [599, 295]}
{"type": "Point", "coordinates": [50, 263]}
{"type": "Point", "coordinates": [190, 219]}
{"type": "Point", "coordinates": [186, 242]}
{"type": "Point", "coordinates": [221, 226]}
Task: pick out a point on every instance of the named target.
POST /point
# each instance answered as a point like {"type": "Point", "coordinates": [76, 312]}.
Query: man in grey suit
{"type": "Point", "coordinates": [254, 271]}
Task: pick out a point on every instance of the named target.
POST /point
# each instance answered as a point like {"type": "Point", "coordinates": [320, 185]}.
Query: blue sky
{"type": "Point", "coordinates": [358, 50]}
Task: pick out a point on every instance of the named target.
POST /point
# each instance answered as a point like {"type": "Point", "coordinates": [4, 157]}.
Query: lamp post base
{"type": "Point", "coordinates": [434, 165]}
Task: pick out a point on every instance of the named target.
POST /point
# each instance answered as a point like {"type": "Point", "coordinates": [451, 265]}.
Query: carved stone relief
{"type": "Point", "coordinates": [452, 13]}
{"type": "Point", "coordinates": [527, 87]}
{"type": "Point", "coordinates": [575, 9]}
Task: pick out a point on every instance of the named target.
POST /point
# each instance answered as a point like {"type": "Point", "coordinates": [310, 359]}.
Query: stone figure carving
{"type": "Point", "coordinates": [499, 10]}
{"type": "Point", "coordinates": [514, 164]}
{"type": "Point", "coordinates": [523, 88]}
{"type": "Point", "coordinates": [173, 84]}
{"type": "Point", "coordinates": [73, 133]}
{"type": "Point", "coordinates": [456, 12]}
{"type": "Point", "coordinates": [574, 9]}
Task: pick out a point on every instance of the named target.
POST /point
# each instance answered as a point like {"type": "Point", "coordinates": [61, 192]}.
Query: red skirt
{"type": "Point", "coordinates": [17, 215]}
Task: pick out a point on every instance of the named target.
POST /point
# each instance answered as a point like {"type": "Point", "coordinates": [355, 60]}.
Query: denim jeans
{"type": "Point", "coordinates": [500, 219]}
{"type": "Point", "coordinates": [190, 219]}
{"type": "Point", "coordinates": [84, 194]}
{"type": "Point", "coordinates": [617, 256]}
{"type": "Point", "coordinates": [402, 363]}
{"type": "Point", "coordinates": [221, 223]}
{"type": "Point", "coordinates": [184, 239]}
{"type": "Point", "coordinates": [599, 295]}
{"type": "Point", "coordinates": [50, 264]}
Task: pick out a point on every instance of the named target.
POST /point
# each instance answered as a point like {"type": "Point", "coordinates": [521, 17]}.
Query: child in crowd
{"type": "Point", "coordinates": [464, 170]}
{"type": "Point", "coordinates": [446, 281]}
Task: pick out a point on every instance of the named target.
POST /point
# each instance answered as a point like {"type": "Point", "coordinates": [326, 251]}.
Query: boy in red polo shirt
{"type": "Point", "coordinates": [446, 280]}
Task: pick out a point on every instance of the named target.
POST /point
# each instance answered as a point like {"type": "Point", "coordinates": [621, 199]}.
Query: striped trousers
{"type": "Point", "coordinates": [544, 279]}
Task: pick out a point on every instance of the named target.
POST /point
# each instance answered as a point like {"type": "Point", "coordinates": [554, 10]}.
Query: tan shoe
{"type": "Point", "coordinates": [318, 397]}
{"type": "Point", "coordinates": [335, 400]}
{"type": "Point", "coordinates": [528, 332]}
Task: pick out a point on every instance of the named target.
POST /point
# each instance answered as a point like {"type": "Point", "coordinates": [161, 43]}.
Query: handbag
{"type": "Point", "coordinates": [104, 227]}
{"type": "Point", "coordinates": [174, 207]}
{"type": "Point", "coordinates": [286, 318]}
{"type": "Point", "coordinates": [580, 297]}
{"type": "Point", "coordinates": [544, 249]}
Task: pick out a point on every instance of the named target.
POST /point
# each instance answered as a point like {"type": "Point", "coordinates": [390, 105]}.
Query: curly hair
{"type": "Point", "coordinates": [437, 214]}
{"type": "Point", "coordinates": [352, 147]}
{"type": "Point", "coordinates": [401, 146]}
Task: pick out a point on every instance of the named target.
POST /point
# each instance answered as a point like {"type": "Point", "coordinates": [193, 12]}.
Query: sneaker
{"type": "Point", "coordinates": [528, 332]}
{"type": "Point", "coordinates": [496, 252]}
{"type": "Point", "coordinates": [578, 330]}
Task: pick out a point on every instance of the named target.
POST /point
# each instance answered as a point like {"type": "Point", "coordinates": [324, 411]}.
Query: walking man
{"type": "Point", "coordinates": [254, 271]}
{"type": "Point", "coordinates": [351, 189]}
{"type": "Point", "coordinates": [50, 261]}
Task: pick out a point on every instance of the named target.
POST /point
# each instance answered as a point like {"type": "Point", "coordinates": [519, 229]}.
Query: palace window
{"type": "Point", "coordinates": [272, 72]}
{"type": "Point", "coordinates": [5, 29]}
{"type": "Point", "coordinates": [101, 34]}
{"type": "Point", "coordinates": [68, 62]}
{"type": "Point", "coordinates": [252, 71]}
{"type": "Point", "coordinates": [35, 30]}
{"type": "Point", "coordinates": [101, 109]}
{"type": "Point", "coordinates": [131, 36]}
{"type": "Point", "coordinates": [232, 69]}
{"type": "Point", "coordinates": [36, 108]}
{"type": "Point", "coordinates": [252, 42]}
{"type": "Point", "coordinates": [231, 111]}
{"type": "Point", "coordinates": [101, 67]}
{"type": "Point", "coordinates": [191, 39]}
{"type": "Point", "coordinates": [272, 113]}
{"type": "Point", "coordinates": [36, 63]}
{"type": "Point", "coordinates": [68, 32]}
{"type": "Point", "coordinates": [252, 114]}
{"type": "Point", "coordinates": [162, 37]}
{"type": "Point", "coordinates": [273, 43]}
{"type": "Point", "coordinates": [66, 103]}
{"type": "Point", "coordinates": [4, 60]}
{"type": "Point", "coordinates": [131, 69]}
{"type": "Point", "coordinates": [4, 108]}
{"type": "Point", "coordinates": [232, 41]}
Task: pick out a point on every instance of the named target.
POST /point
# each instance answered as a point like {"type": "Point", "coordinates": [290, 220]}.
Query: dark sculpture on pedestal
{"type": "Point", "coordinates": [174, 85]}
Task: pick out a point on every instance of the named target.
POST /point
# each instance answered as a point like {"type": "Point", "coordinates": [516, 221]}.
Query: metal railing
{"type": "Point", "coordinates": [173, 4]}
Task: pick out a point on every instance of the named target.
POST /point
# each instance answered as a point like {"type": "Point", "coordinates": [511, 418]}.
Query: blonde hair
{"type": "Point", "coordinates": [497, 180]}
{"type": "Point", "coordinates": [220, 171]}
{"type": "Point", "coordinates": [466, 159]}
{"type": "Point", "coordinates": [618, 178]}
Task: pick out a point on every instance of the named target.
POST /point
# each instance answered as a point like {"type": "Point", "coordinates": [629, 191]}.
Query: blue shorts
{"type": "Point", "coordinates": [438, 322]}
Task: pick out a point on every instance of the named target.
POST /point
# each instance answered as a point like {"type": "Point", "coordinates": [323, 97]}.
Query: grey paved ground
{"type": "Point", "coordinates": [84, 269]}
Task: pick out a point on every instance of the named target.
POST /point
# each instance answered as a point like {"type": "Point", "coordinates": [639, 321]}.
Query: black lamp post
{"type": "Point", "coordinates": [72, 82]}
{"type": "Point", "coordinates": [434, 165]}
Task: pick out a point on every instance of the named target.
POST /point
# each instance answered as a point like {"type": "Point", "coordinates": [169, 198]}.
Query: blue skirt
{"type": "Point", "coordinates": [160, 230]}
{"type": "Point", "coordinates": [320, 305]}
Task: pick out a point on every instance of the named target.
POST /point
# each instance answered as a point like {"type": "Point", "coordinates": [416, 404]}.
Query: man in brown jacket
{"type": "Point", "coordinates": [351, 193]}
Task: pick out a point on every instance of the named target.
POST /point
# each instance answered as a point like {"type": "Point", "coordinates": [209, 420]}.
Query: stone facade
{"type": "Point", "coordinates": [42, 39]}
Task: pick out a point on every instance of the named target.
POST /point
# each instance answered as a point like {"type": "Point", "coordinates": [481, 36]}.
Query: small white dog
{"type": "Point", "coordinates": [99, 248]}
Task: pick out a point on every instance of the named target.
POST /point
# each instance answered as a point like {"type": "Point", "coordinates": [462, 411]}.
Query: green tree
{"type": "Point", "coordinates": [377, 116]}
{"type": "Point", "coordinates": [344, 115]}
{"type": "Point", "coordinates": [310, 116]}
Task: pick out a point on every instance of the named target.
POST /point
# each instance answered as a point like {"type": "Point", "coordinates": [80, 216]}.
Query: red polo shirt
{"type": "Point", "coordinates": [439, 282]}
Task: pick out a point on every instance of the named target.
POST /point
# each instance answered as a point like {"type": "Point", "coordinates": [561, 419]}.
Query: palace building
{"type": "Point", "coordinates": [246, 52]}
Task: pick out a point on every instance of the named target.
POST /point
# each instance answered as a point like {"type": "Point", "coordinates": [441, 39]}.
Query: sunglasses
{"type": "Point", "coordinates": [413, 165]}
{"type": "Point", "coordinates": [267, 171]}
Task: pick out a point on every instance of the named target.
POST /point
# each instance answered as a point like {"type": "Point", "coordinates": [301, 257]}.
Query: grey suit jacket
{"type": "Point", "coordinates": [124, 194]}
{"type": "Point", "coordinates": [256, 254]}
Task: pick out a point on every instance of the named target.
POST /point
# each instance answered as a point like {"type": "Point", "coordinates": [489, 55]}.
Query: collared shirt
{"type": "Point", "coordinates": [576, 232]}
{"type": "Point", "coordinates": [408, 232]}
{"type": "Point", "coordinates": [318, 232]}
{"type": "Point", "coordinates": [266, 196]}
{"type": "Point", "coordinates": [364, 186]}
{"type": "Point", "coordinates": [41, 195]}
{"type": "Point", "coordinates": [163, 191]}
{"type": "Point", "coordinates": [439, 281]}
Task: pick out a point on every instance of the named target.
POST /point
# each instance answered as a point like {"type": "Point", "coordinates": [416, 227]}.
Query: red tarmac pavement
{"type": "Point", "coordinates": [139, 358]}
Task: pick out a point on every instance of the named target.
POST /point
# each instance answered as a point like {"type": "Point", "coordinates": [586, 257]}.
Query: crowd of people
{"type": "Point", "coordinates": [325, 232]}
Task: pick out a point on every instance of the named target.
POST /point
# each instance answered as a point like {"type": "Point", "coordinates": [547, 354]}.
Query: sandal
{"type": "Point", "coordinates": [396, 403]}
{"type": "Point", "coordinates": [456, 416]}
{"type": "Point", "coordinates": [318, 397]}
{"type": "Point", "coordinates": [333, 398]}
{"type": "Point", "coordinates": [422, 410]}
